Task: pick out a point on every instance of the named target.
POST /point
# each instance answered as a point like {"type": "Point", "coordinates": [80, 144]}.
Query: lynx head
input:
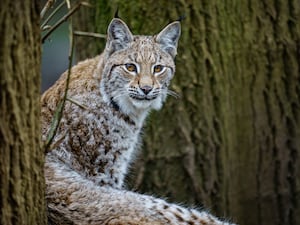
{"type": "Point", "coordinates": [138, 69]}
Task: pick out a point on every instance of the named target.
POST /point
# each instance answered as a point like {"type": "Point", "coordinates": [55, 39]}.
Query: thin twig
{"type": "Point", "coordinates": [68, 4]}
{"type": "Point", "coordinates": [52, 14]}
{"type": "Point", "coordinates": [58, 141]}
{"type": "Point", "coordinates": [47, 6]}
{"type": "Point", "coordinates": [54, 126]}
{"type": "Point", "coordinates": [64, 18]}
{"type": "Point", "coordinates": [89, 34]}
{"type": "Point", "coordinates": [47, 27]}
{"type": "Point", "coordinates": [59, 111]}
{"type": "Point", "coordinates": [77, 103]}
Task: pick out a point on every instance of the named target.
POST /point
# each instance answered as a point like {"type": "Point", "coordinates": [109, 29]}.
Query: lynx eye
{"type": "Point", "coordinates": [157, 69]}
{"type": "Point", "coordinates": [131, 67]}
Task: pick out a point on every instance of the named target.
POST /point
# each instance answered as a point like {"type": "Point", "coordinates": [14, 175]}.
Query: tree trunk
{"type": "Point", "coordinates": [231, 142]}
{"type": "Point", "coordinates": [21, 157]}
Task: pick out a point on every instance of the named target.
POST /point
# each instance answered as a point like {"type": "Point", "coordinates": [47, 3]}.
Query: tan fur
{"type": "Point", "coordinates": [108, 99]}
{"type": "Point", "coordinates": [81, 76]}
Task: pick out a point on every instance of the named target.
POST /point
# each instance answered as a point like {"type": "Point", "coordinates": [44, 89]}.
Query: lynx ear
{"type": "Point", "coordinates": [118, 35]}
{"type": "Point", "coordinates": [168, 38]}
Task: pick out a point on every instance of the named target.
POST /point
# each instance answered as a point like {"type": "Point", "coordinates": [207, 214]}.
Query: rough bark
{"type": "Point", "coordinates": [21, 158]}
{"type": "Point", "coordinates": [231, 143]}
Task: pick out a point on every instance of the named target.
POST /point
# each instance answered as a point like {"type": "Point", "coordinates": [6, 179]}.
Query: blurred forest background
{"type": "Point", "coordinates": [55, 50]}
{"type": "Point", "coordinates": [231, 142]}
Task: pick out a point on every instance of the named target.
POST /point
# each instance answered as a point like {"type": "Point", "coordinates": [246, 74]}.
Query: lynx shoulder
{"type": "Point", "coordinates": [109, 98]}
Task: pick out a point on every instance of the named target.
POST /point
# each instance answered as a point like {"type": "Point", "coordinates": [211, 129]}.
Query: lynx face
{"type": "Point", "coordinates": [138, 69]}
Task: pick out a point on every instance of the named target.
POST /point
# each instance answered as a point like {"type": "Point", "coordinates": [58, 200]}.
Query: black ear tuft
{"type": "Point", "coordinates": [117, 13]}
{"type": "Point", "coordinates": [181, 18]}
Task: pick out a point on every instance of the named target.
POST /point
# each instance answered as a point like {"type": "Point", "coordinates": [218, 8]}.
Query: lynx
{"type": "Point", "coordinates": [110, 97]}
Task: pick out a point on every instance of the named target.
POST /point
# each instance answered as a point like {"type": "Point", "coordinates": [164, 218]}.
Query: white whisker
{"type": "Point", "coordinates": [173, 94]}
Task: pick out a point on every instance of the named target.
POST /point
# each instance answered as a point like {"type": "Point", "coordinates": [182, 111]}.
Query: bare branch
{"type": "Point", "coordinates": [47, 6]}
{"type": "Point", "coordinates": [64, 18]}
{"type": "Point", "coordinates": [59, 111]}
{"type": "Point", "coordinates": [68, 4]}
{"type": "Point", "coordinates": [47, 27]}
{"type": "Point", "coordinates": [52, 14]}
{"type": "Point", "coordinates": [89, 34]}
{"type": "Point", "coordinates": [58, 142]}
{"type": "Point", "coordinates": [77, 103]}
{"type": "Point", "coordinates": [54, 126]}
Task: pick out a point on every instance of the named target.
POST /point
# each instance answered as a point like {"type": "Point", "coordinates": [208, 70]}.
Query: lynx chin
{"type": "Point", "coordinates": [99, 132]}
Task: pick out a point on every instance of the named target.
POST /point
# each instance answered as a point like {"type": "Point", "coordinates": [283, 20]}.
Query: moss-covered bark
{"type": "Point", "coordinates": [21, 158]}
{"type": "Point", "coordinates": [231, 142]}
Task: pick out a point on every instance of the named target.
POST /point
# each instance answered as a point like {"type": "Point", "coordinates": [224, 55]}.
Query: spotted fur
{"type": "Point", "coordinates": [109, 98]}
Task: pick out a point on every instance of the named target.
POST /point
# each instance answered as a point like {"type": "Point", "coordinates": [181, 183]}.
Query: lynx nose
{"type": "Point", "coordinates": [146, 89]}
